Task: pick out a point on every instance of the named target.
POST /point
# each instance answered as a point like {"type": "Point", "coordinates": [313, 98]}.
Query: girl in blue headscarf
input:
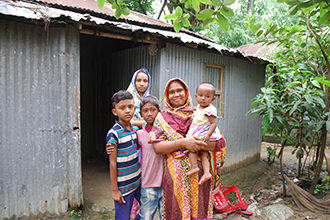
{"type": "Point", "coordinates": [139, 88]}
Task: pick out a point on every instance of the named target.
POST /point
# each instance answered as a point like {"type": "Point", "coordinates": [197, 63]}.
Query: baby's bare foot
{"type": "Point", "coordinates": [205, 177]}
{"type": "Point", "coordinates": [192, 171]}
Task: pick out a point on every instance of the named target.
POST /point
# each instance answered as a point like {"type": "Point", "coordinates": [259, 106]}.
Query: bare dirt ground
{"type": "Point", "coordinates": [254, 181]}
{"type": "Point", "coordinates": [258, 181]}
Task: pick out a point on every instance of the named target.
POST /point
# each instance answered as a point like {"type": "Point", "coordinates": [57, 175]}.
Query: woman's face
{"type": "Point", "coordinates": [141, 82]}
{"type": "Point", "coordinates": [176, 94]}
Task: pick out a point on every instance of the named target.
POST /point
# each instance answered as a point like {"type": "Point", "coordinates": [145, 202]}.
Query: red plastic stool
{"type": "Point", "coordinates": [222, 204]}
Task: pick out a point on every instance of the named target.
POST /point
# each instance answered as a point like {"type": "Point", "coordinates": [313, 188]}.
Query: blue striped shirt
{"type": "Point", "coordinates": [128, 167]}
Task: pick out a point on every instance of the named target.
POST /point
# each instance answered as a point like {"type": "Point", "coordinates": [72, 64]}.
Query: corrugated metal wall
{"type": "Point", "coordinates": [40, 161]}
{"type": "Point", "coordinates": [243, 80]}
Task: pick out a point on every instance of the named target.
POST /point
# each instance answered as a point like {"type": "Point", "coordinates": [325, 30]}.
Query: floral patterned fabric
{"type": "Point", "coordinates": [183, 197]}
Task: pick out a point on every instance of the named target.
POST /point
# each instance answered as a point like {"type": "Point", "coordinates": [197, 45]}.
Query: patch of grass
{"type": "Point", "coordinates": [88, 213]}
{"type": "Point", "coordinates": [103, 213]}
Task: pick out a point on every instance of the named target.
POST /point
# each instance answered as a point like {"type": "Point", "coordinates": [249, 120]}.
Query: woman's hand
{"type": "Point", "coordinates": [193, 144]}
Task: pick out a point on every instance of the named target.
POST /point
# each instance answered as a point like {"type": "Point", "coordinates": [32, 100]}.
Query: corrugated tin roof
{"type": "Point", "coordinates": [80, 10]}
{"type": "Point", "coordinates": [91, 6]}
{"type": "Point", "coordinates": [258, 50]}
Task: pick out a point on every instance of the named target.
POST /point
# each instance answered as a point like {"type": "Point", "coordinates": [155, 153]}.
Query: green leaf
{"type": "Point", "coordinates": [178, 12]}
{"type": "Point", "coordinates": [305, 4]}
{"type": "Point", "coordinates": [111, 1]}
{"type": "Point", "coordinates": [228, 2]}
{"type": "Point", "coordinates": [309, 99]}
{"type": "Point", "coordinates": [227, 11]}
{"type": "Point", "coordinates": [308, 8]}
{"type": "Point", "coordinates": [177, 25]}
{"type": "Point", "coordinates": [170, 17]}
{"type": "Point", "coordinates": [223, 22]}
{"type": "Point", "coordinates": [294, 10]}
{"type": "Point", "coordinates": [293, 84]}
{"type": "Point", "coordinates": [216, 2]}
{"type": "Point", "coordinates": [295, 106]}
{"type": "Point", "coordinates": [126, 11]}
{"type": "Point", "coordinates": [188, 4]}
{"type": "Point", "coordinates": [328, 125]}
{"type": "Point", "coordinates": [291, 2]}
{"type": "Point", "coordinates": [259, 33]}
{"type": "Point", "coordinates": [319, 125]}
{"type": "Point", "coordinates": [299, 39]}
{"type": "Point", "coordinates": [114, 6]}
{"type": "Point", "coordinates": [186, 16]}
{"type": "Point", "coordinates": [264, 125]}
{"type": "Point", "coordinates": [271, 115]}
{"type": "Point", "coordinates": [324, 18]}
{"type": "Point", "coordinates": [206, 2]}
{"type": "Point", "coordinates": [309, 129]}
{"type": "Point", "coordinates": [266, 22]}
{"type": "Point", "coordinates": [118, 13]}
{"type": "Point", "coordinates": [207, 21]}
{"type": "Point", "coordinates": [320, 101]}
{"type": "Point", "coordinates": [272, 28]}
{"type": "Point", "coordinates": [100, 3]}
{"type": "Point", "coordinates": [186, 23]}
{"type": "Point", "coordinates": [325, 82]}
{"type": "Point", "coordinates": [316, 84]}
{"type": "Point", "coordinates": [196, 5]}
{"type": "Point", "coordinates": [205, 14]}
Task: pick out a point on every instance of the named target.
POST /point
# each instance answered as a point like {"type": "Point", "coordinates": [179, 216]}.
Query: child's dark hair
{"type": "Point", "coordinates": [119, 96]}
{"type": "Point", "coordinates": [207, 83]}
{"type": "Point", "coordinates": [149, 99]}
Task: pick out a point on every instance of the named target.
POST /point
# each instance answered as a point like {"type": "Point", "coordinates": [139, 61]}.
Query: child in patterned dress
{"type": "Point", "coordinates": [204, 125]}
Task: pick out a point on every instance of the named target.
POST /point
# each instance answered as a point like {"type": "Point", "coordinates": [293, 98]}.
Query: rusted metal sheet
{"type": "Point", "coordinates": [40, 118]}
{"type": "Point", "coordinates": [259, 50]}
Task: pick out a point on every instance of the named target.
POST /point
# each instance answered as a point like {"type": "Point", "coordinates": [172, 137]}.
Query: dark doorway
{"type": "Point", "coordinates": [98, 81]}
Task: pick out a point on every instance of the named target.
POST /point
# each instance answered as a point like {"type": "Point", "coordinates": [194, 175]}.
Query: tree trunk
{"type": "Point", "coordinates": [249, 8]}
{"type": "Point", "coordinates": [317, 155]}
{"type": "Point", "coordinates": [281, 168]}
{"type": "Point", "coordinates": [326, 102]}
{"type": "Point", "coordinates": [161, 10]}
{"type": "Point", "coordinates": [141, 7]}
{"type": "Point", "coordinates": [320, 162]}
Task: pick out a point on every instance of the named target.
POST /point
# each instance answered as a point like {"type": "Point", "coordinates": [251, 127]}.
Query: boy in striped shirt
{"type": "Point", "coordinates": [125, 171]}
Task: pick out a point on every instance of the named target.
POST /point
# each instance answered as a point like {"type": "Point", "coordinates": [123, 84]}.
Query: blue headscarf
{"type": "Point", "coordinates": [132, 89]}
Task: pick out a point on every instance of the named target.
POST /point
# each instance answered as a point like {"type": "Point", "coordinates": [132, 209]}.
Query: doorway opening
{"type": "Point", "coordinates": [98, 82]}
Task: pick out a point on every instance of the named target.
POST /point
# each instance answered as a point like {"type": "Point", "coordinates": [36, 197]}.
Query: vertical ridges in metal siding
{"type": "Point", "coordinates": [4, 174]}
{"type": "Point", "coordinates": [37, 89]}
{"type": "Point", "coordinates": [72, 52]}
{"type": "Point", "coordinates": [188, 64]}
